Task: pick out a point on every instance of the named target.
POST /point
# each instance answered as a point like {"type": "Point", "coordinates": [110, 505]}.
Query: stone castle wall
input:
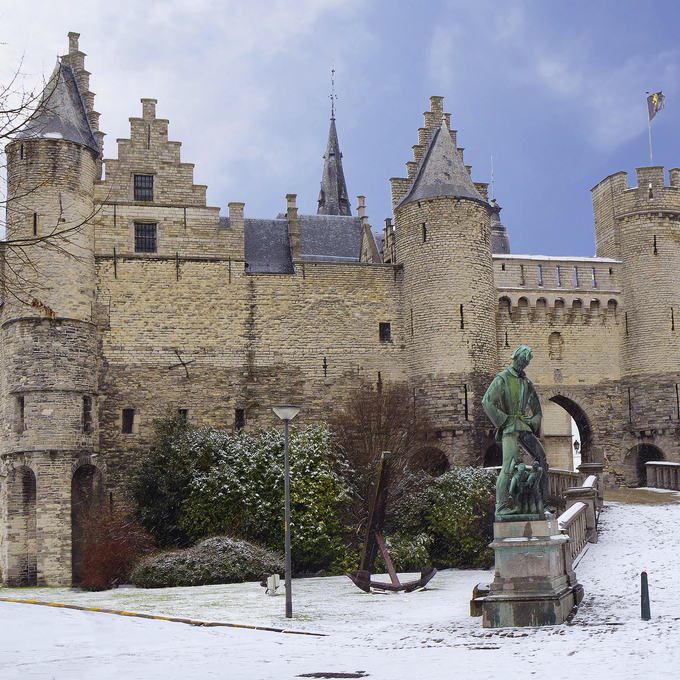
{"type": "Point", "coordinates": [246, 341]}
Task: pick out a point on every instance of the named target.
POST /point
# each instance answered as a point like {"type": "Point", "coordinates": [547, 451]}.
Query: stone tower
{"type": "Point", "coordinates": [49, 400]}
{"type": "Point", "coordinates": [641, 227]}
{"type": "Point", "coordinates": [442, 238]}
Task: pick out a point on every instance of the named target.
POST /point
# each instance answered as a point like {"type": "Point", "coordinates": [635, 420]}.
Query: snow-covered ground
{"type": "Point", "coordinates": [424, 635]}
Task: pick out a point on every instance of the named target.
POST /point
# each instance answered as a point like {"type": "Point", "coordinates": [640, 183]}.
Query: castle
{"type": "Point", "coordinates": [151, 300]}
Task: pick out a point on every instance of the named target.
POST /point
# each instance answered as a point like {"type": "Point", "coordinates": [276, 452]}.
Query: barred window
{"type": "Point", "coordinates": [145, 237]}
{"type": "Point", "coordinates": [144, 188]}
{"type": "Point", "coordinates": [384, 332]}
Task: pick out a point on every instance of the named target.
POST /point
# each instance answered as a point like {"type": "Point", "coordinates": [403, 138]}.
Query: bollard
{"type": "Point", "coordinates": [644, 597]}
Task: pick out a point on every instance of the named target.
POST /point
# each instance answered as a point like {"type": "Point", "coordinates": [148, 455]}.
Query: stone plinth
{"type": "Point", "coordinates": [534, 584]}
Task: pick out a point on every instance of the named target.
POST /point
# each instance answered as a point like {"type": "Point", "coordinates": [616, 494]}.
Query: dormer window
{"type": "Point", "coordinates": [144, 188]}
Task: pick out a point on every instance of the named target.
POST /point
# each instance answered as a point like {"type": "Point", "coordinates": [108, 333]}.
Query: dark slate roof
{"type": "Point", "coordinates": [333, 198]}
{"type": "Point", "coordinates": [441, 172]}
{"type": "Point", "coordinates": [323, 238]}
{"type": "Point", "coordinates": [330, 237]}
{"type": "Point", "coordinates": [64, 115]}
{"type": "Point", "coordinates": [500, 243]}
{"type": "Point", "coordinates": [267, 247]}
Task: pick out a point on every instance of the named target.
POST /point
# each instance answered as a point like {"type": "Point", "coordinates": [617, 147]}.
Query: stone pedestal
{"type": "Point", "coordinates": [534, 583]}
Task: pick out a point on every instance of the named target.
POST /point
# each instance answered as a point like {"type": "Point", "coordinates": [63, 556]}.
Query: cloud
{"type": "Point", "coordinates": [535, 60]}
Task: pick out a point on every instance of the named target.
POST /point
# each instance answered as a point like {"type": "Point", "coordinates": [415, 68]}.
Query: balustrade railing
{"type": "Point", "coordinates": [573, 523]}
{"type": "Point", "coordinates": [561, 480]}
{"type": "Point", "coordinates": [579, 520]}
{"type": "Point", "coordinates": [663, 475]}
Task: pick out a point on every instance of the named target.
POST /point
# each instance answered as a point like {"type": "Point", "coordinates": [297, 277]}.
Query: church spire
{"type": "Point", "coordinates": [333, 195]}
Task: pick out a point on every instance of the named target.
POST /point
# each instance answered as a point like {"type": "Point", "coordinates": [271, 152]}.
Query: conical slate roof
{"type": "Point", "coordinates": [500, 243]}
{"type": "Point", "coordinates": [333, 195]}
{"type": "Point", "coordinates": [62, 114]}
{"type": "Point", "coordinates": [441, 173]}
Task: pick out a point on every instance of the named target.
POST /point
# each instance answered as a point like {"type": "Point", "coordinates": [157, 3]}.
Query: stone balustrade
{"type": "Point", "coordinates": [560, 481]}
{"type": "Point", "coordinates": [663, 475]}
{"type": "Point", "coordinates": [579, 520]}
{"type": "Point", "coordinates": [573, 523]}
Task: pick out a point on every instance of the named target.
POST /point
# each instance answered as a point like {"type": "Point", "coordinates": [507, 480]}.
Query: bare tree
{"type": "Point", "coordinates": [385, 418]}
{"type": "Point", "coordinates": [24, 109]}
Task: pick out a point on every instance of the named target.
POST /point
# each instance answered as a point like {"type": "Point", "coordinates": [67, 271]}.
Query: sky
{"type": "Point", "coordinates": [554, 92]}
{"type": "Point", "coordinates": [423, 634]}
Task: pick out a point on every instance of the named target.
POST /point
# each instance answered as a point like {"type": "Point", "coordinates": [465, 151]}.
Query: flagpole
{"type": "Point", "coordinates": [649, 125]}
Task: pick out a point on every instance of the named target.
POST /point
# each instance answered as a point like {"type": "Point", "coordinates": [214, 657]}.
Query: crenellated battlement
{"type": "Point", "coordinates": [614, 201]}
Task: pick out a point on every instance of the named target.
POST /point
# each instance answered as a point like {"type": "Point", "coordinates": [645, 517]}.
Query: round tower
{"type": "Point", "coordinates": [641, 227]}
{"type": "Point", "coordinates": [443, 240]}
{"type": "Point", "coordinates": [49, 377]}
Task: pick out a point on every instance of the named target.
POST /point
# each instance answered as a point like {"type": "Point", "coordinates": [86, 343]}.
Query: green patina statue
{"type": "Point", "coordinates": [512, 405]}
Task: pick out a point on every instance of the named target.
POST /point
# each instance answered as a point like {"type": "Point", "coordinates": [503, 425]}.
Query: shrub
{"type": "Point", "coordinates": [215, 560]}
{"type": "Point", "coordinates": [112, 544]}
{"type": "Point", "coordinates": [198, 482]}
{"type": "Point", "coordinates": [408, 553]}
{"type": "Point", "coordinates": [460, 517]}
{"type": "Point", "coordinates": [158, 483]}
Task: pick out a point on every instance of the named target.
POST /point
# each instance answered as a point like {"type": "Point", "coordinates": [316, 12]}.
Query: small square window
{"type": "Point", "coordinates": [144, 188]}
{"type": "Point", "coordinates": [128, 420]}
{"type": "Point", "coordinates": [239, 418]}
{"type": "Point", "coordinates": [145, 237]}
{"type": "Point", "coordinates": [183, 413]}
{"type": "Point", "coordinates": [385, 332]}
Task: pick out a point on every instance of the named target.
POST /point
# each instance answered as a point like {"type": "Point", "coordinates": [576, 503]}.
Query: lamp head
{"type": "Point", "coordinates": [286, 411]}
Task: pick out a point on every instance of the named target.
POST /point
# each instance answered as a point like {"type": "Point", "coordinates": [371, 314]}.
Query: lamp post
{"type": "Point", "coordinates": [287, 412]}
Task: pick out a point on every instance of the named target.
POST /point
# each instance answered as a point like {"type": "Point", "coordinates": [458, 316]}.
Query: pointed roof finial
{"type": "Point", "coordinates": [332, 95]}
{"type": "Point", "coordinates": [333, 198]}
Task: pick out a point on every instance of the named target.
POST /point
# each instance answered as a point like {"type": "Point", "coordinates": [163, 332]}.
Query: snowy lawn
{"type": "Point", "coordinates": [427, 634]}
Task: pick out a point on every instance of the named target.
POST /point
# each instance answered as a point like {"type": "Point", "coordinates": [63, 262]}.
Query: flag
{"type": "Point", "coordinates": [655, 102]}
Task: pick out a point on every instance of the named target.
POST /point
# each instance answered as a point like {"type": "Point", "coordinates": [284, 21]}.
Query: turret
{"type": "Point", "coordinates": [49, 431]}
{"type": "Point", "coordinates": [640, 225]}
{"type": "Point", "coordinates": [443, 239]}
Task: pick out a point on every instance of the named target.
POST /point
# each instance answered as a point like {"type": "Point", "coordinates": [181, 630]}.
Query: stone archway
{"type": "Point", "coordinates": [431, 460]}
{"type": "Point", "coordinates": [87, 490]}
{"type": "Point", "coordinates": [634, 463]}
{"type": "Point", "coordinates": [493, 456]}
{"type": "Point", "coordinates": [582, 423]}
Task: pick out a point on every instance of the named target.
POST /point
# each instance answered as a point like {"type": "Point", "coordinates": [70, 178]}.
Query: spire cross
{"type": "Point", "coordinates": [332, 96]}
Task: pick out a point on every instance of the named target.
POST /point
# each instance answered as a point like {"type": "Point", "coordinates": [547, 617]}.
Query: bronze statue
{"type": "Point", "coordinates": [513, 407]}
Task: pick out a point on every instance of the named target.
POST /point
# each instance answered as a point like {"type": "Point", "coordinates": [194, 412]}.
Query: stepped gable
{"type": "Point", "coordinates": [441, 172]}
{"type": "Point", "coordinates": [267, 246]}
{"type": "Point", "coordinates": [333, 198]}
{"type": "Point", "coordinates": [62, 112]}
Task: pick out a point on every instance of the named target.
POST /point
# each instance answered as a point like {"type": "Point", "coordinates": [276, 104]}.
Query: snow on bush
{"type": "Point", "coordinates": [460, 517]}
{"type": "Point", "coordinates": [198, 482]}
{"type": "Point", "coordinates": [215, 560]}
